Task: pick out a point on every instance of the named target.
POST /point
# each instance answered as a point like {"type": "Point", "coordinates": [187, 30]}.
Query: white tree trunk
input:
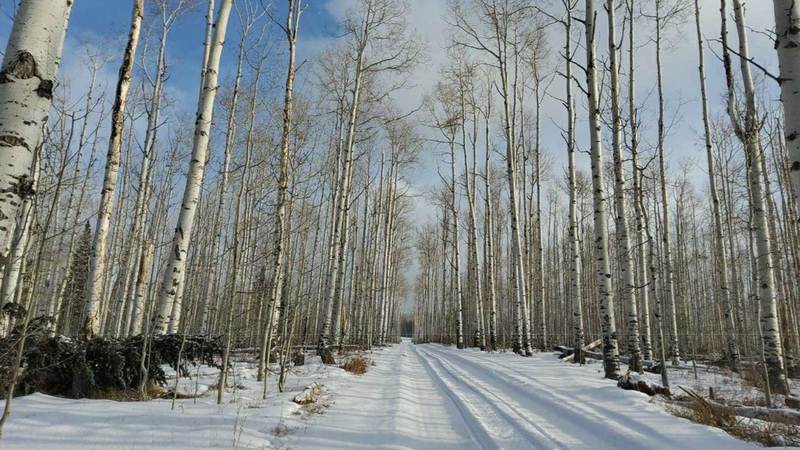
{"type": "Point", "coordinates": [787, 43]}
{"type": "Point", "coordinates": [27, 78]}
{"type": "Point", "coordinates": [623, 237]}
{"type": "Point", "coordinates": [280, 231]}
{"type": "Point", "coordinates": [574, 264]}
{"type": "Point", "coordinates": [456, 264]}
{"type": "Point", "coordinates": [748, 133]}
{"type": "Point", "coordinates": [97, 263]}
{"type": "Point", "coordinates": [721, 266]}
{"type": "Point", "coordinates": [489, 235]}
{"type": "Point", "coordinates": [669, 282]}
{"type": "Point", "coordinates": [608, 325]}
{"type": "Point", "coordinates": [175, 269]}
{"type": "Point", "coordinates": [638, 201]}
{"type": "Point", "coordinates": [13, 268]}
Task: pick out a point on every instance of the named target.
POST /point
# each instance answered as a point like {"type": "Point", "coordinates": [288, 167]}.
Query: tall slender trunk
{"type": "Point", "coordinates": [224, 173]}
{"type": "Point", "coordinates": [98, 256]}
{"type": "Point", "coordinates": [175, 269]}
{"type": "Point", "coordinates": [748, 131]}
{"type": "Point", "coordinates": [669, 282]}
{"type": "Point", "coordinates": [472, 244]}
{"type": "Point", "coordinates": [623, 237]}
{"type": "Point", "coordinates": [638, 192]}
{"type": "Point", "coordinates": [488, 258]}
{"type": "Point", "coordinates": [721, 267]}
{"type": "Point", "coordinates": [574, 242]}
{"type": "Point", "coordinates": [604, 276]}
{"type": "Point", "coordinates": [456, 264]}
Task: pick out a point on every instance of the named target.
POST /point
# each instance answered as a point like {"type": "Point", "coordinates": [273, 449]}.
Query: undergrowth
{"type": "Point", "coordinates": [770, 434]}
{"type": "Point", "coordinates": [100, 367]}
{"type": "Point", "coordinates": [356, 365]}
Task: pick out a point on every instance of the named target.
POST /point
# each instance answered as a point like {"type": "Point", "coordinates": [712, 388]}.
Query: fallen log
{"type": "Point", "coordinates": [586, 350]}
{"type": "Point", "coordinates": [776, 415]}
{"type": "Point", "coordinates": [634, 382]}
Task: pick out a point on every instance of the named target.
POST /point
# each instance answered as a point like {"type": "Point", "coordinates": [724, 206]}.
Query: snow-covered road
{"type": "Point", "coordinates": [413, 397]}
{"type": "Point", "coordinates": [435, 397]}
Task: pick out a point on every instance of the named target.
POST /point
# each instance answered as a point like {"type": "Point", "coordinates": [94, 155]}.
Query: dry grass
{"type": "Point", "coordinates": [769, 434]}
{"type": "Point", "coordinates": [357, 365]}
{"type": "Point", "coordinates": [753, 375]}
{"type": "Point", "coordinates": [131, 395]}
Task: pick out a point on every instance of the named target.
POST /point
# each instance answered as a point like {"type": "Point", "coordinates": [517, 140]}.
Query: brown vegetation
{"type": "Point", "coordinates": [707, 412]}
{"type": "Point", "coordinates": [356, 365]}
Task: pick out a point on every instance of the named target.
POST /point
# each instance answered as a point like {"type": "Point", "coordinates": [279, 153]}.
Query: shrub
{"type": "Point", "coordinates": [100, 367]}
{"type": "Point", "coordinates": [357, 365]}
{"type": "Point", "coordinates": [771, 434]}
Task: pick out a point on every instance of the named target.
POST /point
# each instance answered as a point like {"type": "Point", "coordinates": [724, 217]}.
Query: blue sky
{"type": "Point", "coordinates": [106, 22]}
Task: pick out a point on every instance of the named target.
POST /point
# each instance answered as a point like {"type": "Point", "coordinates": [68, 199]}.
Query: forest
{"type": "Point", "coordinates": [505, 210]}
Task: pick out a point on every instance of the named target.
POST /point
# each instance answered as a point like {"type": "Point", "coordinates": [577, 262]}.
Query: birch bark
{"type": "Point", "coordinates": [610, 349]}
{"type": "Point", "coordinates": [721, 289]}
{"type": "Point", "coordinates": [27, 78]}
{"type": "Point", "coordinates": [623, 238]}
{"type": "Point", "coordinates": [174, 272]}
{"type": "Point", "coordinates": [98, 256]}
{"type": "Point", "coordinates": [787, 44]}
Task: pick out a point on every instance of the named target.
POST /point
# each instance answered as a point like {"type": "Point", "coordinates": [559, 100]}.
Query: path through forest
{"type": "Point", "coordinates": [412, 397]}
{"type": "Point", "coordinates": [431, 396]}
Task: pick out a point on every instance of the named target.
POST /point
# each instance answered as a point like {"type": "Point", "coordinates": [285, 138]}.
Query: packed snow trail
{"type": "Point", "coordinates": [436, 397]}
{"type": "Point", "coordinates": [413, 397]}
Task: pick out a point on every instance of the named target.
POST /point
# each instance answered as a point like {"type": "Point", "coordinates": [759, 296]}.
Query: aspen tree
{"type": "Point", "coordinates": [280, 235]}
{"type": "Point", "coordinates": [787, 44]}
{"type": "Point", "coordinates": [489, 257]}
{"type": "Point", "coordinates": [748, 130]}
{"type": "Point", "coordinates": [465, 87]}
{"type": "Point", "coordinates": [721, 290]}
{"type": "Point", "coordinates": [456, 264]}
{"type": "Point", "coordinates": [623, 238]}
{"type": "Point", "coordinates": [174, 271]}
{"type": "Point", "coordinates": [610, 350]}
{"type": "Point", "coordinates": [98, 258]}
{"type": "Point", "coordinates": [638, 200]}
{"type": "Point", "coordinates": [666, 232]}
{"type": "Point", "coordinates": [27, 78]}
{"type": "Point", "coordinates": [500, 45]}
{"type": "Point", "coordinates": [574, 240]}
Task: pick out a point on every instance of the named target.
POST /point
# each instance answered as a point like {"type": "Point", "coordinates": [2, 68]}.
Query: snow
{"type": "Point", "coordinates": [726, 384]}
{"type": "Point", "coordinates": [413, 397]}
{"type": "Point", "coordinates": [243, 420]}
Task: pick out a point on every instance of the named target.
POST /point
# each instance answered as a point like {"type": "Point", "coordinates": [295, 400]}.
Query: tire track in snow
{"type": "Point", "coordinates": [574, 399]}
{"type": "Point", "coordinates": [418, 397]}
{"type": "Point", "coordinates": [560, 413]}
{"type": "Point", "coordinates": [536, 436]}
{"type": "Point", "coordinates": [477, 429]}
